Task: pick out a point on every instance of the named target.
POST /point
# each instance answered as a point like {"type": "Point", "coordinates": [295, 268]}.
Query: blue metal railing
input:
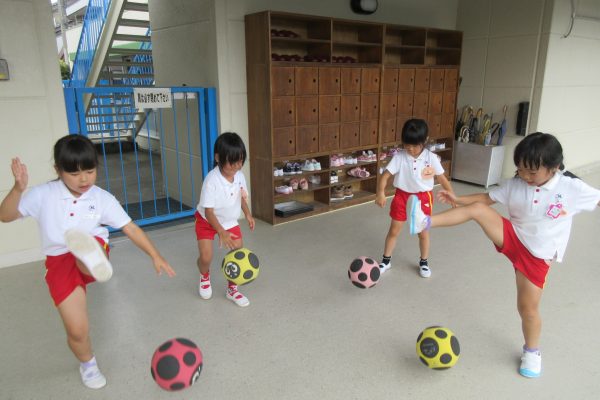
{"type": "Point", "coordinates": [93, 23]}
{"type": "Point", "coordinates": [141, 70]}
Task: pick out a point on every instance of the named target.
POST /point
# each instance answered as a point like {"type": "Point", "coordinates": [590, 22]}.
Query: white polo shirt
{"type": "Point", "coordinates": [542, 216]}
{"type": "Point", "coordinates": [224, 197]}
{"type": "Point", "coordinates": [56, 210]}
{"type": "Point", "coordinates": [408, 171]}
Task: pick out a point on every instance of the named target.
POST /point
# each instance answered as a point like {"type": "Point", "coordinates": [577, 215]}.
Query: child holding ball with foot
{"type": "Point", "coordinates": [71, 213]}
{"type": "Point", "coordinates": [541, 202]}
{"type": "Point", "coordinates": [224, 194]}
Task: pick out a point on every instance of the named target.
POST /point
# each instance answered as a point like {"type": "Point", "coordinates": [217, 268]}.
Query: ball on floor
{"type": "Point", "coordinates": [438, 347]}
{"type": "Point", "coordinates": [364, 272]}
{"type": "Point", "coordinates": [176, 364]}
{"type": "Point", "coordinates": [240, 266]}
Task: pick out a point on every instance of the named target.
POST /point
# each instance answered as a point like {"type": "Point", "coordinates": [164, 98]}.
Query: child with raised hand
{"type": "Point", "coordinates": [72, 214]}
{"type": "Point", "coordinates": [413, 170]}
{"type": "Point", "coordinates": [541, 202]}
{"type": "Point", "coordinates": [224, 194]}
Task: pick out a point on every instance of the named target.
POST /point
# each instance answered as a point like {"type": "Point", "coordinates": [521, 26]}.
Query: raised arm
{"type": "Point", "coordinates": [9, 209]}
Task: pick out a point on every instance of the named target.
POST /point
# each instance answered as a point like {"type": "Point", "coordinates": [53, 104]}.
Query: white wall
{"type": "Point", "coordinates": [32, 112]}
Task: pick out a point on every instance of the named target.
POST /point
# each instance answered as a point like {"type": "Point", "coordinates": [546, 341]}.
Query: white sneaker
{"type": "Point", "coordinates": [87, 249]}
{"type": "Point", "coordinates": [238, 298]}
{"type": "Point", "coordinates": [205, 289]}
{"type": "Point", "coordinates": [419, 221]}
{"type": "Point", "coordinates": [424, 271]}
{"type": "Point", "coordinates": [92, 377]}
{"type": "Point", "coordinates": [384, 267]}
{"type": "Point", "coordinates": [531, 364]}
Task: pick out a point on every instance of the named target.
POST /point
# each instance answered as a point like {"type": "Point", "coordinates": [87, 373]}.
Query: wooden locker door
{"type": "Point", "coordinates": [350, 108]}
{"type": "Point", "coordinates": [329, 81]}
{"type": "Point", "coordinates": [369, 107]}
{"type": "Point", "coordinates": [349, 135]}
{"type": "Point", "coordinates": [447, 127]}
{"type": "Point", "coordinates": [282, 81]}
{"type": "Point", "coordinates": [307, 139]}
{"type": "Point", "coordinates": [388, 130]}
{"type": "Point", "coordinates": [307, 81]}
{"type": "Point", "coordinates": [451, 79]}
{"type": "Point", "coordinates": [368, 132]}
{"type": "Point", "coordinates": [307, 110]}
{"type": "Point", "coordinates": [434, 123]}
{"type": "Point", "coordinates": [405, 103]}
{"type": "Point", "coordinates": [370, 78]}
{"type": "Point", "coordinates": [435, 102]}
{"type": "Point", "coordinates": [390, 80]}
{"type": "Point", "coordinates": [350, 78]}
{"type": "Point", "coordinates": [422, 80]}
{"type": "Point", "coordinates": [449, 105]}
{"type": "Point", "coordinates": [400, 121]}
{"type": "Point", "coordinates": [406, 79]}
{"type": "Point", "coordinates": [283, 112]}
{"type": "Point", "coordinates": [284, 142]}
{"type": "Point", "coordinates": [389, 105]}
{"type": "Point", "coordinates": [329, 137]}
{"type": "Point", "coordinates": [420, 105]}
{"type": "Point", "coordinates": [436, 82]}
{"type": "Point", "coordinates": [329, 109]}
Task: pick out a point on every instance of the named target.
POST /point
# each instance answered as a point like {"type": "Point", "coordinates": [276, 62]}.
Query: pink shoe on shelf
{"type": "Point", "coordinates": [294, 184]}
{"type": "Point", "coordinates": [363, 173]}
{"type": "Point", "coordinates": [284, 189]}
{"type": "Point", "coordinates": [303, 184]}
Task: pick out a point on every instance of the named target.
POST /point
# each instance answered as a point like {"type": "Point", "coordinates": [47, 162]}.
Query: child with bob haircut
{"type": "Point", "coordinates": [413, 169]}
{"type": "Point", "coordinates": [224, 194]}
{"type": "Point", "coordinates": [72, 213]}
{"type": "Point", "coordinates": [541, 202]}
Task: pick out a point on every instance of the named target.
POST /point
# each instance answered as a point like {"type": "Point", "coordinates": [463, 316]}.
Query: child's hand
{"type": "Point", "coordinates": [160, 265]}
{"type": "Point", "coordinates": [380, 200]}
{"type": "Point", "coordinates": [251, 222]}
{"type": "Point", "coordinates": [19, 171]}
{"type": "Point", "coordinates": [447, 197]}
{"type": "Point", "coordinates": [227, 240]}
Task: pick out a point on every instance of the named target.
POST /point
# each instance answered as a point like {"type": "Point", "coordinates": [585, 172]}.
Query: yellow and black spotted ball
{"type": "Point", "coordinates": [240, 266]}
{"type": "Point", "coordinates": [438, 347]}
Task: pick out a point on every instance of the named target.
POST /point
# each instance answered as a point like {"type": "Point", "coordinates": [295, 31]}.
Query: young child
{"type": "Point", "coordinates": [413, 170]}
{"type": "Point", "coordinates": [541, 203]}
{"type": "Point", "coordinates": [224, 193]}
{"type": "Point", "coordinates": [71, 213]}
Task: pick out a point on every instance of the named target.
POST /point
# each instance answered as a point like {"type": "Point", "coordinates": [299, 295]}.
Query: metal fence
{"type": "Point", "coordinates": [155, 144]}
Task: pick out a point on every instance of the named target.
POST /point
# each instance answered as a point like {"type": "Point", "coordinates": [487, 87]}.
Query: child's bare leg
{"type": "Point", "coordinates": [488, 218]}
{"type": "Point", "coordinates": [424, 244]}
{"type": "Point", "coordinates": [73, 311]}
{"type": "Point", "coordinates": [205, 250]}
{"type": "Point", "coordinates": [528, 301]}
{"type": "Point", "coordinates": [392, 236]}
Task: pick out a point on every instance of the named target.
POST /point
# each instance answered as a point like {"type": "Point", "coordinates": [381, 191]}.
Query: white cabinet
{"type": "Point", "coordinates": [478, 164]}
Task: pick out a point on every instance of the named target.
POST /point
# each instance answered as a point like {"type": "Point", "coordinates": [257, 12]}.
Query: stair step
{"type": "Point", "coordinates": [131, 38]}
{"type": "Point", "coordinates": [129, 52]}
{"type": "Point", "coordinates": [118, 75]}
{"type": "Point", "coordinates": [135, 6]}
{"type": "Point", "coordinates": [128, 64]}
{"type": "Point", "coordinates": [139, 23]}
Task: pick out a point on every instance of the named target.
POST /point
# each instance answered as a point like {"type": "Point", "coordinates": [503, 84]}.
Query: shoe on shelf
{"type": "Point", "coordinates": [288, 169]}
{"type": "Point", "coordinates": [87, 249]}
{"type": "Point", "coordinates": [531, 364]}
{"type": "Point", "coordinates": [424, 269]}
{"type": "Point", "coordinates": [348, 192]}
{"type": "Point", "coordinates": [316, 164]}
{"type": "Point", "coordinates": [337, 193]}
{"type": "Point", "coordinates": [235, 296]}
{"type": "Point", "coordinates": [303, 184]}
{"type": "Point", "coordinates": [364, 157]}
{"type": "Point", "coordinates": [308, 166]}
{"type": "Point", "coordinates": [333, 177]}
{"type": "Point", "coordinates": [92, 377]}
{"type": "Point", "coordinates": [284, 189]}
{"type": "Point", "coordinates": [297, 168]}
{"type": "Point", "coordinates": [294, 184]}
{"type": "Point", "coordinates": [315, 179]}
{"type": "Point", "coordinates": [204, 288]}
{"type": "Point", "coordinates": [372, 156]}
{"type": "Point", "coordinates": [419, 222]}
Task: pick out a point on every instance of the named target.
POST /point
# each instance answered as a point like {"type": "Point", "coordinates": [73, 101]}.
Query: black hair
{"type": "Point", "coordinates": [74, 153]}
{"type": "Point", "coordinates": [230, 148]}
{"type": "Point", "coordinates": [539, 149]}
{"type": "Point", "coordinates": [415, 131]}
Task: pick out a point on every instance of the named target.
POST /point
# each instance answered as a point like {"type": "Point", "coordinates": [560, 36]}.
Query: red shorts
{"type": "Point", "coordinates": [535, 269]}
{"type": "Point", "coordinates": [398, 207]}
{"type": "Point", "coordinates": [204, 230]}
{"type": "Point", "coordinates": [63, 276]}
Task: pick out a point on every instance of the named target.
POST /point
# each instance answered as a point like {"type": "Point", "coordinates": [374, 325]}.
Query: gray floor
{"type": "Point", "coordinates": [309, 333]}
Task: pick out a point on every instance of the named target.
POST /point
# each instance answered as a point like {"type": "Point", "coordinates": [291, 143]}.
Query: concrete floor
{"type": "Point", "coordinates": [308, 333]}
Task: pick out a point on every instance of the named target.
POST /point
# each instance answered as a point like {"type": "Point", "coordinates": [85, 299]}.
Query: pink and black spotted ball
{"type": "Point", "coordinates": [176, 364]}
{"type": "Point", "coordinates": [364, 272]}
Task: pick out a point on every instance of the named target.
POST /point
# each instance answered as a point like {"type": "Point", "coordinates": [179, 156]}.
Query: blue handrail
{"type": "Point", "coordinates": [93, 23]}
{"type": "Point", "coordinates": [141, 70]}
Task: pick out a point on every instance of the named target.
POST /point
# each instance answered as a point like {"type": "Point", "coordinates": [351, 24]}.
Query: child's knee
{"type": "Point", "coordinates": [78, 332]}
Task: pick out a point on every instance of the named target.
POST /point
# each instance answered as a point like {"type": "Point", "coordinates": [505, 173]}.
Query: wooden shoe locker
{"type": "Point", "coordinates": [320, 87]}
